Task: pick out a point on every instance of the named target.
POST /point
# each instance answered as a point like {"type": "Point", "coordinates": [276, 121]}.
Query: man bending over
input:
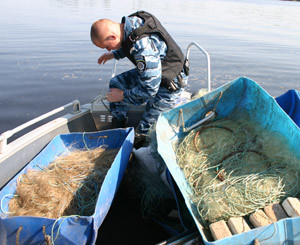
{"type": "Point", "coordinates": [160, 72]}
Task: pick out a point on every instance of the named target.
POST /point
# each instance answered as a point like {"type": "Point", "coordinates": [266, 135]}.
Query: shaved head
{"type": "Point", "coordinates": [100, 30]}
{"type": "Point", "coordinates": [104, 29]}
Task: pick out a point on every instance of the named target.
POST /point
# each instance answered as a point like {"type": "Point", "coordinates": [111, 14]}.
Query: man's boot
{"type": "Point", "coordinates": [139, 140]}
{"type": "Point", "coordinates": [118, 123]}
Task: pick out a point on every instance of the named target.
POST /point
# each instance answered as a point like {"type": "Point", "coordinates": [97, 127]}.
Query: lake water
{"type": "Point", "coordinates": [47, 59]}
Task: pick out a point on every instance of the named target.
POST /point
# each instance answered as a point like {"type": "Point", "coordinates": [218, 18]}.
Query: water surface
{"type": "Point", "coordinates": [47, 59]}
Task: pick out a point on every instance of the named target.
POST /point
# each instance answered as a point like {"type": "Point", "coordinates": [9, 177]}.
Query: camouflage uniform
{"type": "Point", "coordinates": [142, 84]}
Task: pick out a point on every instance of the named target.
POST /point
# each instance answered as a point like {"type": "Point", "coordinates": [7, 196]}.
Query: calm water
{"type": "Point", "coordinates": [47, 59]}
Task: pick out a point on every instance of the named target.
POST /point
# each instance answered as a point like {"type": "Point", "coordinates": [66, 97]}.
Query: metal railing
{"type": "Point", "coordinates": [4, 136]}
{"type": "Point", "coordinates": [207, 59]}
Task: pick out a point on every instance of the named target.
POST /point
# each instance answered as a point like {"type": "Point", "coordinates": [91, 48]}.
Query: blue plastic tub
{"type": "Point", "coordinates": [70, 230]}
{"type": "Point", "coordinates": [239, 96]}
{"type": "Point", "coordinates": [290, 103]}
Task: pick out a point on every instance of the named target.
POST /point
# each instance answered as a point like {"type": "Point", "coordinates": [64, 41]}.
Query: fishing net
{"type": "Point", "coordinates": [148, 174]}
{"type": "Point", "coordinates": [153, 191]}
{"type": "Point", "coordinates": [234, 167]}
{"type": "Point", "coordinates": [68, 186]}
{"type": "Point", "coordinates": [153, 188]}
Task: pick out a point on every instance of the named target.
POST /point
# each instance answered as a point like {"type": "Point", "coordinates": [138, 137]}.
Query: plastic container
{"type": "Point", "coordinates": [70, 230]}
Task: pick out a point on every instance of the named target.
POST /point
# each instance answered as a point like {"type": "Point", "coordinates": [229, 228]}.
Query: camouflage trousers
{"type": "Point", "coordinates": [164, 100]}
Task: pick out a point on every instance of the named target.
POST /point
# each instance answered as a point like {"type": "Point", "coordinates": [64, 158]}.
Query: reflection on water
{"type": "Point", "coordinates": [47, 59]}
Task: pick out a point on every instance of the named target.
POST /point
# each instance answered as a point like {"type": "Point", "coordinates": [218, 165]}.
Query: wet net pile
{"type": "Point", "coordinates": [68, 186]}
{"type": "Point", "coordinates": [234, 168]}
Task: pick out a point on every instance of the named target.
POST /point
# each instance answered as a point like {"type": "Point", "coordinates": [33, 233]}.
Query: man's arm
{"type": "Point", "coordinates": [105, 57]}
{"type": "Point", "coordinates": [117, 54]}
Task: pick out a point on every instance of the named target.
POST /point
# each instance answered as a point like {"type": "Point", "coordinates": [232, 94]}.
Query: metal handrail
{"type": "Point", "coordinates": [207, 58]}
{"type": "Point", "coordinates": [187, 56]}
{"type": "Point", "coordinates": [4, 136]}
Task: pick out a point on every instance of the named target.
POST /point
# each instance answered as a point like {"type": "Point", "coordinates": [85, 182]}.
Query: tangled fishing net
{"type": "Point", "coordinates": [68, 186]}
{"type": "Point", "coordinates": [234, 168]}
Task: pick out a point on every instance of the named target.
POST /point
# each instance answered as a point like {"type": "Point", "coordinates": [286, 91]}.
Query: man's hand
{"type": "Point", "coordinates": [105, 57]}
{"type": "Point", "coordinates": [115, 95]}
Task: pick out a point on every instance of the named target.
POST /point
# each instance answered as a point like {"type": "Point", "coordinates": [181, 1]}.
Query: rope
{"type": "Point", "coordinates": [47, 237]}
{"type": "Point", "coordinates": [274, 232]}
{"type": "Point", "coordinates": [63, 218]}
{"type": "Point", "coordinates": [106, 106]}
{"type": "Point", "coordinates": [85, 144]}
{"type": "Point", "coordinates": [1, 206]}
{"type": "Point", "coordinates": [18, 235]}
{"type": "Point", "coordinates": [101, 98]}
{"type": "Point", "coordinates": [220, 96]}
